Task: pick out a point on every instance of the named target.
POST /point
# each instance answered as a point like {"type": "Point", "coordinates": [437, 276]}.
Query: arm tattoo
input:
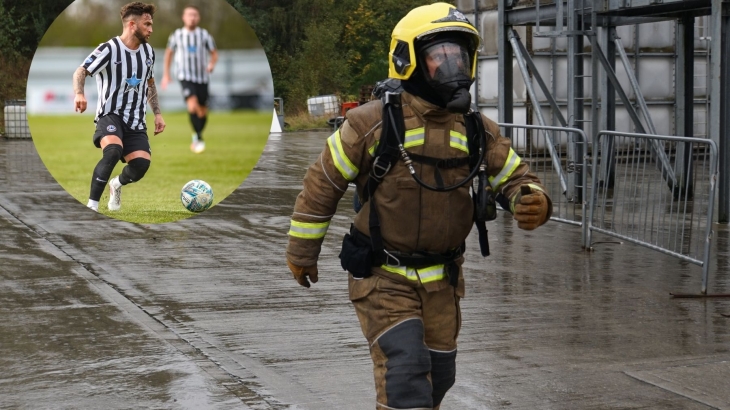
{"type": "Point", "coordinates": [152, 99]}
{"type": "Point", "coordinates": [79, 79]}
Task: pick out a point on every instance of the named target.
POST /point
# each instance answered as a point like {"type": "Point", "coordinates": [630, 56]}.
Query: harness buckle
{"type": "Point", "coordinates": [377, 166]}
{"type": "Point", "coordinates": [388, 257]}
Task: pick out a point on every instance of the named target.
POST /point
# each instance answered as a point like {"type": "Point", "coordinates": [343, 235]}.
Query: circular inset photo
{"type": "Point", "coordinates": [127, 111]}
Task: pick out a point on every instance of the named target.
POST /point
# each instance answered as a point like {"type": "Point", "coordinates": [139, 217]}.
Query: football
{"type": "Point", "coordinates": [196, 196]}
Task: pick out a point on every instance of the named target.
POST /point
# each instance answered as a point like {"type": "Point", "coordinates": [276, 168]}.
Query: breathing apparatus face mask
{"type": "Point", "coordinates": [446, 67]}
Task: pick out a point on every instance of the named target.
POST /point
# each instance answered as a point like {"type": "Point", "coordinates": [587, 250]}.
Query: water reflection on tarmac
{"type": "Point", "coordinates": [202, 313]}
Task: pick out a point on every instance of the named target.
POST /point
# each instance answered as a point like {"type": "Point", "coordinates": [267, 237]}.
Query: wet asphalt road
{"type": "Point", "coordinates": [202, 313]}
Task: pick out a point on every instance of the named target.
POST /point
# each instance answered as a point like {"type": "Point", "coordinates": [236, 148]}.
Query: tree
{"type": "Point", "coordinates": [324, 46]}
{"type": "Point", "coordinates": [320, 68]}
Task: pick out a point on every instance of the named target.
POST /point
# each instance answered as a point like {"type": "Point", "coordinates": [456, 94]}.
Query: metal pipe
{"type": "Point", "coordinates": [540, 82]}
{"type": "Point", "coordinates": [514, 40]}
{"type": "Point", "coordinates": [504, 75]}
{"type": "Point", "coordinates": [656, 145]}
{"type": "Point", "coordinates": [710, 213]}
{"type": "Point", "coordinates": [687, 66]}
{"type": "Point", "coordinates": [608, 105]}
{"type": "Point", "coordinates": [629, 108]}
{"type": "Point", "coordinates": [575, 94]}
{"type": "Point", "coordinates": [723, 136]}
{"type": "Point", "coordinates": [476, 76]}
{"type": "Point", "coordinates": [719, 127]}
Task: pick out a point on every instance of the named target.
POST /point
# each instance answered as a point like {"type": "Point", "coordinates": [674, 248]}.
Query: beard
{"type": "Point", "coordinates": [141, 37]}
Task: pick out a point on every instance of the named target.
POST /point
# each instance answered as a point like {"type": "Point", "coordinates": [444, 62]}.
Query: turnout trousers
{"type": "Point", "coordinates": [412, 337]}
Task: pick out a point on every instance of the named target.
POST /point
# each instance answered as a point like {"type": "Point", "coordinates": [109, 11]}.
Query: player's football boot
{"type": "Point", "coordinates": [115, 194]}
{"type": "Point", "coordinates": [199, 147]}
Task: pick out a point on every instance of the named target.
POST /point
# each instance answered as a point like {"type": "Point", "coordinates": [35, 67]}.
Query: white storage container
{"type": "Point", "coordinates": [323, 105]}
{"type": "Point", "coordinates": [16, 122]}
{"type": "Point", "coordinates": [489, 30]}
{"type": "Point", "coordinates": [488, 81]}
{"type": "Point", "coordinates": [656, 78]}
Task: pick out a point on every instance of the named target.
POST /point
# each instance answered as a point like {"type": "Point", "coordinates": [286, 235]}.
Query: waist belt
{"type": "Point", "coordinates": [417, 260]}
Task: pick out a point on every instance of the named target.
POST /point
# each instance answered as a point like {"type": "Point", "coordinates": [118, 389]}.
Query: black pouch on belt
{"type": "Point", "coordinates": [356, 256]}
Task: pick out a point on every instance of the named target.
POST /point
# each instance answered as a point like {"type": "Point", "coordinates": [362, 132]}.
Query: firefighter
{"type": "Point", "coordinates": [405, 249]}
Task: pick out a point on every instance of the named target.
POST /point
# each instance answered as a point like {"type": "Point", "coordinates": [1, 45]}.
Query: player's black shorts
{"type": "Point", "coordinates": [190, 88]}
{"type": "Point", "coordinates": [132, 140]}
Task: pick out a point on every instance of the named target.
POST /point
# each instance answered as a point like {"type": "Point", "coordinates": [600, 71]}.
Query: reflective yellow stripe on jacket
{"type": "Point", "coordinates": [308, 230]}
{"type": "Point", "coordinates": [512, 162]}
{"type": "Point", "coordinates": [348, 170]}
{"type": "Point", "coordinates": [458, 140]}
{"type": "Point", "coordinates": [427, 274]}
{"type": "Point", "coordinates": [414, 137]}
{"type": "Point", "coordinates": [372, 149]}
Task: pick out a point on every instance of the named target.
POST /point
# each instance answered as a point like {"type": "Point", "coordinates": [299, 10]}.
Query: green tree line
{"type": "Point", "coordinates": [314, 47]}
{"type": "Point", "coordinates": [318, 47]}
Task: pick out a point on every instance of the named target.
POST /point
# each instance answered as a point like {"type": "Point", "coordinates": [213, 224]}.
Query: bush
{"type": "Point", "coordinates": [13, 76]}
{"type": "Point", "coordinates": [303, 121]}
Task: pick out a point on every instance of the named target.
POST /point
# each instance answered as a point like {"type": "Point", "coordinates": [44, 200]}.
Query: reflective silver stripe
{"type": "Point", "coordinates": [409, 273]}
{"type": "Point", "coordinates": [427, 274]}
{"type": "Point", "coordinates": [348, 170]}
{"type": "Point", "coordinates": [308, 230]}
{"type": "Point", "coordinates": [513, 161]}
{"type": "Point", "coordinates": [458, 140]}
{"type": "Point", "coordinates": [431, 273]}
{"type": "Point", "coordinates": [414, 137]}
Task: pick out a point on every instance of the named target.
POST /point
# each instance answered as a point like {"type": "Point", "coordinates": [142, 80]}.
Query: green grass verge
{"type": "Point", "coordinates": [234, 142]}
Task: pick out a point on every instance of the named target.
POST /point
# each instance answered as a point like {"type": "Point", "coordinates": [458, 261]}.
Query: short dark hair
{"type": "Point", "coordinates": [137, 9]}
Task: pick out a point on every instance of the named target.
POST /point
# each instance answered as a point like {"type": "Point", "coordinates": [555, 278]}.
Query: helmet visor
{"type": "Point", "coordinates": [446, 62]}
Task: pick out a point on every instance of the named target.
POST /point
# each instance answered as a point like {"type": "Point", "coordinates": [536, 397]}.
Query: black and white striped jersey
{"type": "Point", "coordinates": [192, 49]}
{"type": "Point", "coordinates": [121, 80]}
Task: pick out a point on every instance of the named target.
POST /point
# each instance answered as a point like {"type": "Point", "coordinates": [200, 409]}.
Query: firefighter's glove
{"type": "Point", "coordinates": [531, 208]}
{"type": "Point", "coordinates": [302, 273]}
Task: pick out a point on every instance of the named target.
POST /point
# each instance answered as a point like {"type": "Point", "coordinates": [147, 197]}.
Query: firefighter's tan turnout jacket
{"type": "Point", "coordinates": [412, 218]}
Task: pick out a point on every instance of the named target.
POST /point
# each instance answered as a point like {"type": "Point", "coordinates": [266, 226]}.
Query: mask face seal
{"type": "Point", "coordinates": [446, 66]}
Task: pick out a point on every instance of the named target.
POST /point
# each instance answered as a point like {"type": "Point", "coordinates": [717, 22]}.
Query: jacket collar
{"type": "Point", "coordinates": [425, 109]}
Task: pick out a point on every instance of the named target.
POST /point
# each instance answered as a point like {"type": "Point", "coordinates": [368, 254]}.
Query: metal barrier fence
{"type": "Point", "coordinates": [557, 156]}
{"type": "Point", "coordinates": [16, 120]}
{"type": "Point", "coordinates": [637, 201]}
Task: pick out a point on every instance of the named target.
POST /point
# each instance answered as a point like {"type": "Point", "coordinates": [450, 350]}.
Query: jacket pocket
{"type": "Point", "coordinates": [361, 288]}
{"type": "Point", "coordinates": [406, 183]}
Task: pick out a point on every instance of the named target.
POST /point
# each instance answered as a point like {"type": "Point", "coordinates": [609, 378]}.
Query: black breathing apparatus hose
{"type": "Point", "coordinates": [409, 162]}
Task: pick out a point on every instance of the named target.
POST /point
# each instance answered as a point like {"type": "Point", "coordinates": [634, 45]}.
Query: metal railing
{"type": "Point", "coordinates": [544, 148]}
{"type": "Point", "coordinates": [640, 208]}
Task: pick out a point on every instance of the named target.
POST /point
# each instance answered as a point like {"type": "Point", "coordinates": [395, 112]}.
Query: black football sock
{"type": "Point", "coordinates": [196, 124]}
{"type": "Point", "coordinates": [201, 123]}
{"type": "Point", "coordinates": [102, 172]}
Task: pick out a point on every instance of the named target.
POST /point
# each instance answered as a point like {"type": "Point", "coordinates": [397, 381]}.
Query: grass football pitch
{"type": "Point", "coordinates": [234, 142]}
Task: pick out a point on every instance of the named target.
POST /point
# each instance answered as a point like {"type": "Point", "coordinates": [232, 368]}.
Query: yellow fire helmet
{"type": "Point", "coordinates": [420, 22]}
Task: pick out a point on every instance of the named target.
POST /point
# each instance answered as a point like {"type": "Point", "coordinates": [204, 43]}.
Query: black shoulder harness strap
{"type": "Point", "coordinates": [484, 205]}
{"type": "Point", "coordinates": [387, 154]}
